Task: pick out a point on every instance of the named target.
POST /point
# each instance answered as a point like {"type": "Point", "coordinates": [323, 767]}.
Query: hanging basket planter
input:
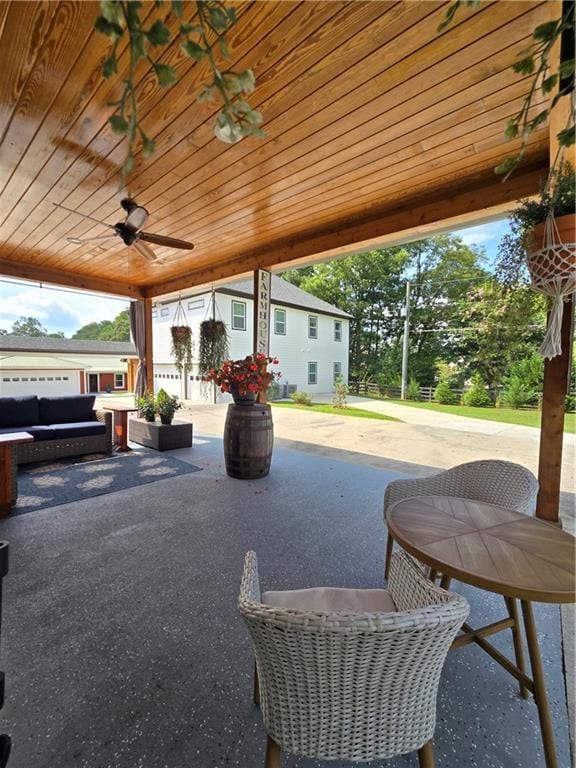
{"type": "Point", "coordinates": [181, 341]}
{"type": "Point", "coordinates": [552, 265]}
{"type": "Point", "coordinates": [213, 345]}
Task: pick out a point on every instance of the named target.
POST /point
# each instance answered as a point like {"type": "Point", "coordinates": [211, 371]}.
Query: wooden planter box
{"type": "Point", "coordinates": [161, 437]}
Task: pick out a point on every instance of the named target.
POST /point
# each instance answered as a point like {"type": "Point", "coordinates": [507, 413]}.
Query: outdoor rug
{"type": "Point", "coordinates": [50, 485]}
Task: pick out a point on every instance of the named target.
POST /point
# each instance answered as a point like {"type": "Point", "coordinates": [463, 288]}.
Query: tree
{"type": "Point", "coordinates": [31, 326]}
{"type": "Point", "coordinates": [107, 330]}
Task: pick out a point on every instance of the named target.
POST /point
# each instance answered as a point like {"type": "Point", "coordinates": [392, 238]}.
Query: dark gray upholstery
{"type": "Point", "coordinates": [78, 429]}
{"type": "Point", "coordinates": [15, 411]}
{"type": "Point", "coordinates": [65, 410]}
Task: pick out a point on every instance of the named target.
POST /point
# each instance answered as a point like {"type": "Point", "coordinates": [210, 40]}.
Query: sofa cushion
{"type": "Point", "coordinates": [78, 429]}
{"type": "Point", "coordinates": [38, 431]}
{"type": "Point", "coordinates": [17, 411]}
{"type": "Point", "coordinates": [65, 410]}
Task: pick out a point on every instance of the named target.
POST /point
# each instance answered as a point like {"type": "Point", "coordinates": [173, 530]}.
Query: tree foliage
{"type": "Point", "coordinates": [31, 326]}
{"type": "Point", "coordinates": [107, 330]}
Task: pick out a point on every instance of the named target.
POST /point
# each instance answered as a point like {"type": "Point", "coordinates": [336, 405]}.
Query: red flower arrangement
{"type": "Point", "coordinates": [247, 376]}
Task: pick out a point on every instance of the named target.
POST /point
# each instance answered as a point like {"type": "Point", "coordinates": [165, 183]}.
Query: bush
{"type": "Point", "coordinates": [443, 393]}
{"type": "Point", "coordinates": [477, 396]}
{"type": "Point", "coordinates": [571, 402]}
{"type": "Point", "coordinates": [413, 389]}
{"type": "Point", "coordinates": [302, 398]}
{"type": "Point", "coordinates": [517, 394]}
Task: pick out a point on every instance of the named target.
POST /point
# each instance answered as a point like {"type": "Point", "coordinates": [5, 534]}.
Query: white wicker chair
{"type": "Point", "coordinates": [493, 481]}
{"type": "Point", "coordinates": [351, 685]}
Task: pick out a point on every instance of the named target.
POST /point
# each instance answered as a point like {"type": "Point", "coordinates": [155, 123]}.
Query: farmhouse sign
{"type": "Point", "coordinates": [262, 284]}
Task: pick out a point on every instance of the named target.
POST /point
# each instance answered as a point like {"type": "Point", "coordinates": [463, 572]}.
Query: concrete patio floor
{"type": "Point", "coordinates": [123, 647]}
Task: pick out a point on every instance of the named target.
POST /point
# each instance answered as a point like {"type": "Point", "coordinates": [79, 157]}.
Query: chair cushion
{"type": "Point", "coordinates": [78, 429]}
{"type": "Point", "coordinates": [65, 410]}
{"type": "Point", "coordinates": [332, 600]}
{"type": "Point", "coordinates": [38, 432]}
{"type": "Point", "coordinates": [17, 411]}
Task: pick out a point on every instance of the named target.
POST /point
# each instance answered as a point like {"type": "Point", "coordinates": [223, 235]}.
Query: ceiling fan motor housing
{"type": "Point", "coordinates": [127, 234]}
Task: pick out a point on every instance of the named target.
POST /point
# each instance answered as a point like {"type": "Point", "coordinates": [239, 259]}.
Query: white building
{"type": "Point", "coordinates": [309, 337]}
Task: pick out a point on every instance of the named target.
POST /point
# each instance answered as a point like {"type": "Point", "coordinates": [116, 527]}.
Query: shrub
{"type": "Point", "coordinates": [477, 396]}
{"type": "Point", "coordinates": [571, 402]}
{"type": "Point", "coordinates": [341, 390]}
{"type": "Point", "coordinates": [413, 389]}
{"type": "Point", "coordinates": [443, 393]}
{"type": "Point", "coordinates": [302, 398]}
{"type": "Point", "coordinates": [517, 394]}
{"type": "Point", "coordinates": [147, 406]}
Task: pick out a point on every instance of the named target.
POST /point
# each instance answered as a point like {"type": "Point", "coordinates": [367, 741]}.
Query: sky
{"type": "Point", "coordinates": [61, 310]}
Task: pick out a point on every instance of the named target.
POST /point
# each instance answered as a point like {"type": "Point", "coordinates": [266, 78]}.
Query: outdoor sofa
{"type": "Point", "coordinates": [60, 426]}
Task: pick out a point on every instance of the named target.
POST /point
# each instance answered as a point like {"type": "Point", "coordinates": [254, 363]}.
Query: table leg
{"type": "Point", "coordinates": [121, 431]}
{"type": "Point", "coordinates": [539, 686]}
{"type": "Point", "coordinates": [6, 479]}
{"type": "Point", "coordinates": [517, 638]}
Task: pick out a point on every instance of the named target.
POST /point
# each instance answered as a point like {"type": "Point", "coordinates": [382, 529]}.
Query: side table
{"type": "Point", "coordinates": [8, 470]}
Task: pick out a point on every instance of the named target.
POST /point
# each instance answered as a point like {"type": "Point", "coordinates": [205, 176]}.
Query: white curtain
{"type": "Point", "coordinates": [138, 332]}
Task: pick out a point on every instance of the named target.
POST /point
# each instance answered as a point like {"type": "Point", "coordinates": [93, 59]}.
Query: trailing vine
{"type": "Point", "coordinates": [535, 62]}
{"type": "Point", "coordinates": [236, 118]}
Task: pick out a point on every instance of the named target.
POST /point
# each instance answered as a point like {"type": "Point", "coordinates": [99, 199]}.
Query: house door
{"type": "Point", "coordinates": [93, 382]}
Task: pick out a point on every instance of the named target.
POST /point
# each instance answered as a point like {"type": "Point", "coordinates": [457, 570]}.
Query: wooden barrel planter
{"type": "Point", "coordinates": [248, 441]}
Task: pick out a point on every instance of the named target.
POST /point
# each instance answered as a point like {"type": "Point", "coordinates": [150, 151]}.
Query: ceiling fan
{"type": "Point", "coordinates": [130, 231]}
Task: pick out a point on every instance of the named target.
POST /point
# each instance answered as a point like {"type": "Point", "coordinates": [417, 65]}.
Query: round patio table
{"type": "Point", "coordinates": [501, 551]}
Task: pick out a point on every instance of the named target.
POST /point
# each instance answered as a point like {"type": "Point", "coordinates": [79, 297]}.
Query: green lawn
{"type": "Point", "coordinates": [507, 415]}
{"type": "Point", "coordinates": [327, 408]}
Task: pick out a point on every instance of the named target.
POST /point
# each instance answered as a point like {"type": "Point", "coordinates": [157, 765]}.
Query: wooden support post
{"type": "Point", "coordinates": [556, 370]}
{"type": "Point", "coordinates": [149, 356]}
{"type": "Point", "coordinates": [262, 291]}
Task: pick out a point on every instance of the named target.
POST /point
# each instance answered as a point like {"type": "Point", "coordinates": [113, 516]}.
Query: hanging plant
{"type": "Point", "coordinates": [213, 345]}
{"type": "Point", "coordinates": [181, 341]}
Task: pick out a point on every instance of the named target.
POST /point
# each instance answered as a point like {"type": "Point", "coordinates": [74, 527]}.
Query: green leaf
{"type": "Point", "coordinates": [148, 145]}
{"type": "Point", "coordinates": [178, 7]}
{"type": "Point", "coordinates": [137, 45]}
{"type": "Point", "coordinates": [507, 166]}
{"type": "Point", "coordinates": [538, 120]}
{"type": "Point", "coordinates": [218, 18]}
{"type": "Point", "coordinates": [224, 50]}
{"type": "Point", "coordinates": [248, 80]}
{"type": "Point", "coordinates": [253, 117]}
{"type": "Point", "coordinates": [549, 83]}
{"type": "Point", "coordinates": [511, 128]}
{"type": "Point", "coordinates": [194, 50]}
{"type": "Point", "coordinates": [566, 137]}
{"type": "Point", "coordinates": [165, 74]}
{"type": "Point", "coordinates": [108, 28]}
{"type": "Point", "coordinates": [128, 166]}
{"type": "Point", "coordinates": [232, 82]}
{"type": "Point", "coordinates": [545, 32]}
{"type": "Point", "coordinates": [111, 10]}
{"type": "Point", "coordinates": [110, 66]}
{"type": "Point", "coordinates": [118, 124]}
{"type": "Point", "coordinates": [232, 17]}
{"type": "Point", "coordinates": [158, 34]}
{"type": "Point", "coordinates": [524, 66]}
{"type": "Point", "coordinates": [566, 68]}
{"type": "Point", "coordinates": [205, 95]}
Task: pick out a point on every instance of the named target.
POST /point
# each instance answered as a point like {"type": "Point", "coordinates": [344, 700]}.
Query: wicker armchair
{"type": "Point", "coordinates": [351, 685]}
{"type": "Point", "coordinates": [492, 481]}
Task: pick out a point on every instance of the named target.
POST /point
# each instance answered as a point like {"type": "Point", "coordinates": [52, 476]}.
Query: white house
{"type": "Point", "coordinates": [308, 336]}
{"type": "Point", "coordinates": [39, 365]}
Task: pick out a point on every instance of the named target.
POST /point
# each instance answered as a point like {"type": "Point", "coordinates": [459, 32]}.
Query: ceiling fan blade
{"type": "Point", "coordinates": [137, 218]}
{"type": "Point", "coordinates": [81, 240]}
{"type": "Point", "coordinates": [169, 242]}
{"type": "Point", "coordinates": [84, 215]}
{"type": "Point", "coordinates": [145, 250]}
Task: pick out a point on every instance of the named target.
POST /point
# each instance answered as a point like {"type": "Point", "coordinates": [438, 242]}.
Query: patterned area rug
{"type": "Point", "coordinates": [49, 485]}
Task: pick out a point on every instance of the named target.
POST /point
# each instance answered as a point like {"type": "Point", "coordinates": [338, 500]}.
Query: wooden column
{"type": "Point", "coordinates": [262, 297]}
{"type": "Point", "coordinates": [556, 370]}
{"type": "Point", "coordinates": [149, 355]}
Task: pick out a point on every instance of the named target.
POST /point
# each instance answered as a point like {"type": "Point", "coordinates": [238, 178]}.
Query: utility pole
{"type": "Point", "coordinates": [406, 341]}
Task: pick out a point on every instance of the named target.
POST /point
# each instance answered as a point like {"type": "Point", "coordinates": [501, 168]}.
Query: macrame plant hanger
{"type": "Point", "coordinates": [552, 272]}
{"type": "Point", "coordinates": [181, 341]}
{"type": "Point", "coordinates": [213, 341]}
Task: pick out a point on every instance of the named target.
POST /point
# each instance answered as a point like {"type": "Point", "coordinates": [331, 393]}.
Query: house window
{"type": "Point", "coordinates": [196, 304]}
{"type": "Point", "coordinates": [118, 381]}
{"type": "Point", "coordinates": [164, 312]}
{"type": "Point", "coordinates": [337, 371]}
{"type": "Point", "coordinates": [312, 327]}
{"type": "Point", "coordinates": [154, 313]}
{"type": "Point", "coordinates": [239, 315]}
{"type": "Point", "coordinates": [312, 373]}
{"type": "Point", "coordinates": [280, 322]}
{"type": "Point", "coordinates": [337, 330]}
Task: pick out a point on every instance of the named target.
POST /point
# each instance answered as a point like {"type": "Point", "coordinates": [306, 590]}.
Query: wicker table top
{"type": "Point", "coordinates": [487, 546]}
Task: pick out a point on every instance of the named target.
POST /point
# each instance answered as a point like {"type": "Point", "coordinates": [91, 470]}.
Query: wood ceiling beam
{"type": "Point", "coordinates": [23, 271]}
{"type": "Point", "coordinates": [438, 211]}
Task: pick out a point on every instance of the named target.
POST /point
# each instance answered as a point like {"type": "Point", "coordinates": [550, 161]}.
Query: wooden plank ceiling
{"type": "Point", "coordinates": [375, 125]}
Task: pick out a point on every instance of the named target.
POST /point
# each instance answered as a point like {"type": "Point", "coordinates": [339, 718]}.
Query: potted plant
{"type": "Point", "coordinates": [245, 378]}
{"type": "Point", "coordinates": [213, 345]}
{"type": "Point", "coordinates": [147, 406]}
{"type": "Point", "coordinates": [166, 406]}
{"type": "Point", "coordinates": [543, 237]}
{"type": "Point", "coordinates": [181, 347]}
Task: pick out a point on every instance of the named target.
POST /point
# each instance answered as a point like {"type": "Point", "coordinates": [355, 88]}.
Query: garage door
{"type": "Point", "coordinates": [41, 383]}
